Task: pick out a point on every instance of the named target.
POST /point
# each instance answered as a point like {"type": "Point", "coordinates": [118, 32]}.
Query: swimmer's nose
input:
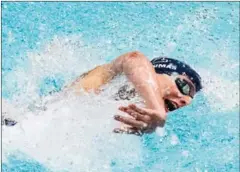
{"type": "Point", "coordinates": [184, 101]}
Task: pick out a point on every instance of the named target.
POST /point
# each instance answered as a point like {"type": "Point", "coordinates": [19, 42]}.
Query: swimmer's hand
{"type": "Point", "coordinates": [142, 120]}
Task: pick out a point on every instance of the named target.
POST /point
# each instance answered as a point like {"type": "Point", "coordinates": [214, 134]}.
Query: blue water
{"type": "Point", "coordinates": [205, 34]}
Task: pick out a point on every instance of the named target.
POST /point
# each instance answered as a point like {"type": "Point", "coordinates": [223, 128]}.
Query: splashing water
{"type": "Point", "coordinates": [68, 137]}
{"type": "Point", "coordinates": [47, 45]}
{"type": "Point", "coordinates": [63, 132]}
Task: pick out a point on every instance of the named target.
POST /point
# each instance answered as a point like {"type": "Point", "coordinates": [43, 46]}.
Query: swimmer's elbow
{"type": "Point", "coordinates": [135, 55]}
{"type": "Point", "coordinates": [134, 58]}
{"type": "Point", "coordinates": [128, 60]}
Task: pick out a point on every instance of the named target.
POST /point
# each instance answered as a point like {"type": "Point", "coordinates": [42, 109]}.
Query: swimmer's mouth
{"type": "Point", "coordinates": [170, 106]}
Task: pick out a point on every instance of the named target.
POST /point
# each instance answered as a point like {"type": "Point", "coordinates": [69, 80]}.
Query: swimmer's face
{"type": "Point", "coordinates": [178, 91]}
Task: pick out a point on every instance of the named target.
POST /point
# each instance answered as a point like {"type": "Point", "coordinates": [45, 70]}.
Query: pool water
{"type": "Point", "coordinates": [46, 45]}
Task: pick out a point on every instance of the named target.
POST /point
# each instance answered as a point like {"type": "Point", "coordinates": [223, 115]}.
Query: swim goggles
{"type": "Point", "coordinates": [184, 87]}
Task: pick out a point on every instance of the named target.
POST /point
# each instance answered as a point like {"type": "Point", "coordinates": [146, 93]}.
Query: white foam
{"type": "Point", "coordinates": [185, 153]}
{"type": "Point", "coordinates": [174, 140]}
{"type": "Point", "coordinates": [221, 93]}
{"type": "Point", "coordinates": [66, 56]}
{"type": "Point", "coordinates": [73, 132]}
{"type": "Point", "coordinates": [161, 132]}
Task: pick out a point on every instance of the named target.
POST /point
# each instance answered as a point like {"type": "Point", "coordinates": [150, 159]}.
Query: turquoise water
{"type": "Point", "coordinates": [201, 137]}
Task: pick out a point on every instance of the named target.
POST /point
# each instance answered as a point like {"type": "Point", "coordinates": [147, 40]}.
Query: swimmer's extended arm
{"type": "Point", "coordinates": [93, 79]}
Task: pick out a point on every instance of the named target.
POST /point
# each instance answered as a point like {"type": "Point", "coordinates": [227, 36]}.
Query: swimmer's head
{"type": "Point", "coordinates": [179, 81]}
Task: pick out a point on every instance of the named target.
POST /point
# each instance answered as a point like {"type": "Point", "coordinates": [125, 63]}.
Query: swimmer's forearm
{"type": "Point", "coordinates": [140, 72]}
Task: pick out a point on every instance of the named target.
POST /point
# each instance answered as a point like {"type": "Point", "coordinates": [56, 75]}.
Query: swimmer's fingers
{"type": "Point", "coordinates": [142, 111]}
{"type": "Point", "coordinates": [128, 130]}
{"type": "Point", "coordinates": [132, 122]}
{"type": "Point", "coordinates": [129, 111]}
{"type": "Point", "coordinates": [135, 114]}
{"type": "Point", "coordinates": [132, 107]}
{"type": "Point", "coordinates": [150, 116]}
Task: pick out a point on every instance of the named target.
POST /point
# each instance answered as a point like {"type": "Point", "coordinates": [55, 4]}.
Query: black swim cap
{"type": "Point", "coordinates": [168, 66]}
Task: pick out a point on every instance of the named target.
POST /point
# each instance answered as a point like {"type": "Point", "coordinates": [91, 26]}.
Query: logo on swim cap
{"type": "Point", "coordinates": [168, 66]}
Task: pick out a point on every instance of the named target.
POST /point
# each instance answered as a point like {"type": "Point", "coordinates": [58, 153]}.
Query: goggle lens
{"type": "Point", "coordinates": [183, 87]}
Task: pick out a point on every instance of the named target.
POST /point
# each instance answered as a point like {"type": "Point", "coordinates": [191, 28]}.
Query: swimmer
{"type": "Point", "coordinates": [165, 85]}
